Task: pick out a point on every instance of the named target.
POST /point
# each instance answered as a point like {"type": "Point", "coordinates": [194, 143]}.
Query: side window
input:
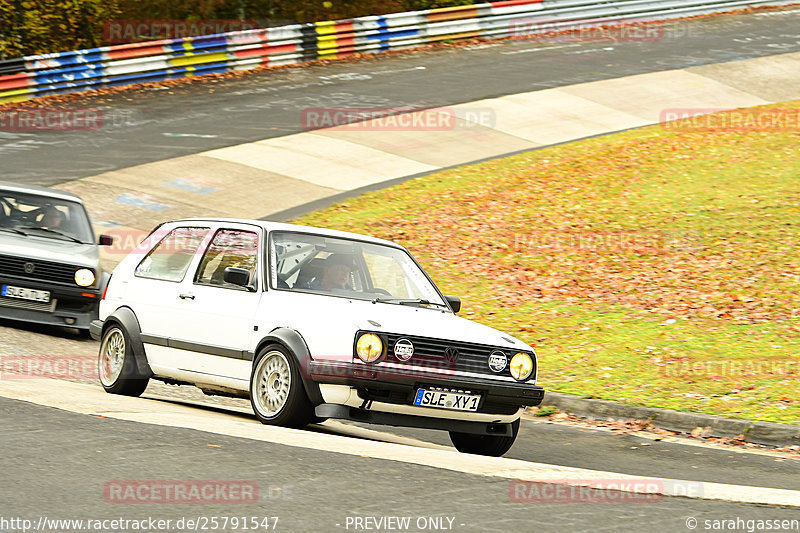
{"type": "Point", "coordinates": [229, 248]}
{"type": "Point", "coordinates": [170, 258]}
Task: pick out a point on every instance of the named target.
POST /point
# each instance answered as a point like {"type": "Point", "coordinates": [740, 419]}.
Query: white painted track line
{"type": "Point", "coordinates": [92, 400]}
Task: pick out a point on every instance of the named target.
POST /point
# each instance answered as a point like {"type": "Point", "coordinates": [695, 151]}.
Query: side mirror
{"type": "Point", "coordinates": [106, 240]}
{"type": "Point", "coordinates": [455, 303]}
{"type": "Point", "coordinates": [237, 276]}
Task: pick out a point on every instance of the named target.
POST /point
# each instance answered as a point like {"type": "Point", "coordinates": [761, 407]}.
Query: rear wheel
{"type": "Point", "coordinates": [117, 366]}
{"type": "Point", "coordinates": [491, 445]}
{"type": "Point", "coordinates": [276, 390]}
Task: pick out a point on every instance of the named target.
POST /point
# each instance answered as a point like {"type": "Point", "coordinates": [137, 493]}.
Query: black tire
{"type": "Point", "coordinates": [117, 365]}
{"type": "Point", "coordinates": [491, 445]}
{"type": "Point", "coordinates": [276, 389]}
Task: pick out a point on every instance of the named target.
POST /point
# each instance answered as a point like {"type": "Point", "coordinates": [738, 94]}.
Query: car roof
{"type": "Point", "coordinates": [39, 190]}
{"type": "Point", "coordinates": [284, 226]}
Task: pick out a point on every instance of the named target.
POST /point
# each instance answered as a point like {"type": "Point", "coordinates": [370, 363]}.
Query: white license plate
{"type": "Point", "coordinates": [22, 293]}
{"type": "Point", "coordinates": [447, 400]}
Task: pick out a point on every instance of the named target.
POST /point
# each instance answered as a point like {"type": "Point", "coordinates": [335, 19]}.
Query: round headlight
{"type": "Point", "coordinates": [369, 347]}
{"type": "Point", "coordinates": [521, 366]}
{"type": "Point", "coordinates": [84, 277]}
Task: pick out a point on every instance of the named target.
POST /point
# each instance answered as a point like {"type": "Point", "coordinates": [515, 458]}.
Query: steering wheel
{"type": "Point", "coordinates": [18, 217]}
{"type": "Point", "coordinates": [381, 291]}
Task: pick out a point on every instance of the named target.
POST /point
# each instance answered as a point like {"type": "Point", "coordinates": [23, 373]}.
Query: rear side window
{"type": "Point", "coordinates": [171, 257]}
{"type": "Point", "coordinates": [229, 248]}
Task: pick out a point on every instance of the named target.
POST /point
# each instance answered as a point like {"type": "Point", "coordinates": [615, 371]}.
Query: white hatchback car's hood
{"type": "Point", "coordinates": [329, 324]}
{"type": "Point", "coordinates": [47, 249]}
{"type": "Point", "coordinates": [423, 322]}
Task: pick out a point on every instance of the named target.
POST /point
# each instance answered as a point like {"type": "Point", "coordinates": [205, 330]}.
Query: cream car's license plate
{"type": "Point", "coordinates": [9, 291]}
{"type": "Point", "coordinates": [447, 400]}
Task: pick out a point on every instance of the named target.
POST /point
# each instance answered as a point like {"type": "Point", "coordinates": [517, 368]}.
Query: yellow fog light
{"type": "Point", "coordinates": [84, 277]}
{"type": "Point", "coordinates": [521, 366]}
{"type": "Point", "coordinates": [369, 347]}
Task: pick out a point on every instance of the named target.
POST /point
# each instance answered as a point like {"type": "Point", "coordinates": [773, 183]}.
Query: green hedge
{"type": "Point", "coordinates": [43, 26]}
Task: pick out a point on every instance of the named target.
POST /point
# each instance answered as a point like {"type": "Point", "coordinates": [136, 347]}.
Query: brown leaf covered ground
{"type": "Point", "coordinates": [646, 266]}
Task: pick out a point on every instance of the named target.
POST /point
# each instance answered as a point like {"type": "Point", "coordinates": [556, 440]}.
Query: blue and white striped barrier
{"type": "Point", "coordinates": [108, 66]}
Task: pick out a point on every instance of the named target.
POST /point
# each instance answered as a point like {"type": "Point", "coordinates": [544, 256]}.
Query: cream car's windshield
{"type": "Point", "coordinates": [330, 265]}
{"type": "Point", "coordinates": [44, 216]}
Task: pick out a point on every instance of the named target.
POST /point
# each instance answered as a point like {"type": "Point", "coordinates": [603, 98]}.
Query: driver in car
{"type": "Point", "coordinates": [52, 218]}
{"type": "Point", "coordinates": [336, 273]}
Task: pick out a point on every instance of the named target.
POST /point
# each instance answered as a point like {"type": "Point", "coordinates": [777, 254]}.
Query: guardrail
{"type": "Point", "coordinates": [81, 70]}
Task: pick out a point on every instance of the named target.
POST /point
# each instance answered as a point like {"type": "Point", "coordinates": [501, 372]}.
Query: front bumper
{"type": "Point", "coordinates": [96, 329]}
{"type": "Point", "coordinates": [343, 412]}
{"type": "Point", "coordinates": [68, 306]}
{"type": "Point", "coordinates": [393, 386]}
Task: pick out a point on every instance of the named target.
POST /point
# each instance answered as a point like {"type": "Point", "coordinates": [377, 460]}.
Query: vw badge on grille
{"type": "Point", "coordinates": [29, 268]}
{"type": "Point", "coordinates": [497, 361]}
{"type": "Point", "coordinates": [451, 354]}
{"type": "Point", "coordinates": [403, 349]}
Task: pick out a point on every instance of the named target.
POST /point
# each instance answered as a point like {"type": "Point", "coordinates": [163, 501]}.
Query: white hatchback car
{"type": "Point", "coordinates": [310, 324]}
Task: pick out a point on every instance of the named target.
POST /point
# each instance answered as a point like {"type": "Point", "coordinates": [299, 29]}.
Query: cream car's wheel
{"type": "Point", "coordinates": [276, 390]}
{"type": "Point", "coordinates": [116, 365]}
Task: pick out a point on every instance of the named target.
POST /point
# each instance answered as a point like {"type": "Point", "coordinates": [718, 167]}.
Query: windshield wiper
{"type": "Point", "coordinates": [407, 301]}
{"type": "Point", "coordinates": [54, 232]}
{"type": "Point", "coordinates": [15, 230]}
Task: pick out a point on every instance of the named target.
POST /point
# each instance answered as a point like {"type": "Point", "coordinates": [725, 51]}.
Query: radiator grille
{"type": "Point", "coordinates": [42, 270]}
{"type": "Point", "coordinates": [431, 353]}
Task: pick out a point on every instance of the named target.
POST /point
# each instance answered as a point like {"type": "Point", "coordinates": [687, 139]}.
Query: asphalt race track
{"type": "Point", "coordinates": [58, 462]}
{"type": "Point", "coordinates": [307, 490]}
{"type": "Point", "coordinates": [156, 124]}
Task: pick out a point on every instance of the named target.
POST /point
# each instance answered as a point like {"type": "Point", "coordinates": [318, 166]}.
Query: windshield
{"type": "Point", "coordinates": [44, 216]}
{"type": "Point", "coordinates": [344, 267]}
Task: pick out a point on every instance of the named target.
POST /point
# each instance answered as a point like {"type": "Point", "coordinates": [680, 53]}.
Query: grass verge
{"type": "Point", "coordinates": [657, 267]}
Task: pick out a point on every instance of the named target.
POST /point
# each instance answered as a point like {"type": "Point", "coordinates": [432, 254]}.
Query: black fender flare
{"type": "Point", "coordinates": [125, 317]}
{"type": "Point", "coordinates": [292, 341]}
{"type": "Point", "coordinates": [105, 277]}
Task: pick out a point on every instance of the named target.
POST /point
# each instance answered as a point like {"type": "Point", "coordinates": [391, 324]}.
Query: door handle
{"type": "Point", "coordinates": [186, 296]}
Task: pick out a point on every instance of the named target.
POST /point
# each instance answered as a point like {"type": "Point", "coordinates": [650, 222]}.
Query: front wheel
{"type": "Point", "coordinates": [276, 390]}
{"type": "Point", "coordinates": [491, 445]}
{"type": "Point", "coordinates": [116, 365]}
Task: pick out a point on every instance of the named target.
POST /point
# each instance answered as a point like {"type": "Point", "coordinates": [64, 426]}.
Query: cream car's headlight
{"type": "Point", "coordinates": [369, 347]}
{"type": "Point", "coordinates": [521, 366]}
{"type": "Point", "coordinates": [84, 277]}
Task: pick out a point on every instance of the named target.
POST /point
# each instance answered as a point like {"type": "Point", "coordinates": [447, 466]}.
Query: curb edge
{"type": "Point", "coordinates": [769, 433]}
